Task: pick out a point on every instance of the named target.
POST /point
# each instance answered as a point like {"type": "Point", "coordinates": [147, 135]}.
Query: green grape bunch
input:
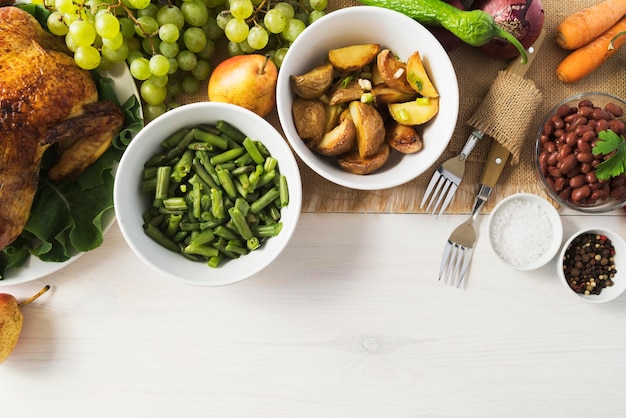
{"type": "Point", "coordinates": [169, 44]}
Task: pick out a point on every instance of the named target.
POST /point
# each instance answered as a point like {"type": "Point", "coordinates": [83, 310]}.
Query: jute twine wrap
{"type": "Point", "coordinates": [507, 111]}
{"type": "Point", "coordinates": [475, 74]}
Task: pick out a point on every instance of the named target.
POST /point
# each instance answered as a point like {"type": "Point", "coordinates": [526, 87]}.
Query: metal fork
{"type": "Point", "coordinates": [459, 249]}
{"type": "Point", "coordinates": [447, 177]}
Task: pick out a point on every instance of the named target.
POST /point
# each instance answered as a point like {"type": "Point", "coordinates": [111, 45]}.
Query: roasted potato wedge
{"type": "Point", "coordinates": [353, 163]}
{"type": "Point", "coordinates": [403, 138]}
{"type": "Point", "coordinates": [313, 84]}
{"type": "Point", "coordinates": [383, 94]}
{"type": "Point", "coordinates": [415, 112]}
{"type": "Point", "coordinates": [309, 116]}
{"type": "Point", "coordinates": [353, 57]}
{"type": "Point", "coordinates": [370, 128]}
{"type": "Point", "coordinates": [345, 94]}
{"type": "Point", "coordinates": [333, 113]}
{"type": "Point", "coordinates": [418, 78]}
{"type": "Point", "coordinates": [392, 71]}
{"type": "Point", "coordinates": [338, 140]}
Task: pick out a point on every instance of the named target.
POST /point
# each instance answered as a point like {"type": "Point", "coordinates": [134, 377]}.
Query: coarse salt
{"type": "Point", "coordinates": [521, 232]}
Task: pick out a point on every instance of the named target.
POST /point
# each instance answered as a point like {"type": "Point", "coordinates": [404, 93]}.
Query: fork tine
{"type": "Point", "coordinates": [448, 199]}
{"type": "Point", "coordinates": [466, 262]}
{"type": "Point", "coordinates": [444, 259]}
{"type": "Point", "coordinates": [442, 192]}
{"type": "Point", "coordinates": [431, 185]}
{"type": "Point", "coordinates": [458, 264]}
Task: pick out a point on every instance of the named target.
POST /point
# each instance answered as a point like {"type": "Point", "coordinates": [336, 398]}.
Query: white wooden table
{"type": "Point", "coordinates": [350, 321]}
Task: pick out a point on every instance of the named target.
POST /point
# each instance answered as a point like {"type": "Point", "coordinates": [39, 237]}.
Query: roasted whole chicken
{"type": "Point", "coordinates": [45, 99]}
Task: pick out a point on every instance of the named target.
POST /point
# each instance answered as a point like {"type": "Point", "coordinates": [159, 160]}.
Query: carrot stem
{"type": "Point", "coordinates": [582, 27]}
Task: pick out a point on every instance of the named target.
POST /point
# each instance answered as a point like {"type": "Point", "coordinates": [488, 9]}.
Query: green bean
{"type": "Point", "coordinates": [195, 200]}
{"type": "Point", "coordinates": [230, 131]}
{"type": "Point", "coordinates": [163, 157]}
{"type": "Point", "coordinates": [263, 201]}
{"type": "Point", "coordinates": [241, 169]}
{"type": "Point", "coordinates": [221, 244]}
{"type": "Point", "coordinates": [270, 164]}
{"type": "Point", "coordinates": [253, 151]}
{"type": "Point", "coordinates": [175, 203]}
{"type": "Point", "coordinates": [226, 181]}
{"type": "Point", "coordinates": [217, 204]}
{"type": "Point", "coordinates": [226, 233]}
{"type": "Point", "coordinates": [236, 247]}
{"type": "Point", "coordinates": [211, 138]}
{"type": "Point", "coordinates": [226, 156]}
{"type": "Point", "coordinates": [162, 182]}
{"type": "Point", "coordinates": [200, 146]}
{"type": "Point", "coordinates": [149, 172]}
{"type": "Point", "coordinates": [284, 192]}
{"type": "Point", "coordinates": [203, 250]}
{"type": "Point", "coordinates": [180, 235]}
{"type": "Point", "coordinates": [185, 140]}
{"type": "Point", "coordinates": [202, 237]}
{"type": "Point", "coordinates": [156, 234]}
{"type": "Point", "coordinates": [273, 211]}
{"type": "Point", "coordinates": [253, 243]}
{"type": "Point", "coordinates": [239, 221]}
{"type": "Point", "coordinates": [182, 167]}
{"type": "Point", "coordinates": [215, 261]}
{"type": "Point", "coordinates": [206, 163]}
{"type": "Point", "coordinates": [242, 205]}
{"type": "Point", "coordinates": [173, 224]}
{"type": "Point", "coordinates": [266, 178]}
{"type": "Point", "coordinates": [270, 230]}
{"type": "Point", "coordinates": [243, 160]}
{"type": "Point", "coordinates": [174, 139]}
{"type": "Point", "coordinates": [149, 185]}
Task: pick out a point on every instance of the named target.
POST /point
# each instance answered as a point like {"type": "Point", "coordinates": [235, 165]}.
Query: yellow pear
{"type": "Point", "coordinates": [11, 320]}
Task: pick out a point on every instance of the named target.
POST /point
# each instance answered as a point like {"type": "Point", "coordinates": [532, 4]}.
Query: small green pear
{"type": "Point", "coordinates": [11, 320]}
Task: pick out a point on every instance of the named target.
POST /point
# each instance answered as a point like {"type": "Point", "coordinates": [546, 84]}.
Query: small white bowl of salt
{"type": "Point", "coordinates": [525, 231]}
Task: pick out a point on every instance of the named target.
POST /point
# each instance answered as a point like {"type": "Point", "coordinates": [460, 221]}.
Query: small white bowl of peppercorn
{"type": "Point", "coordinates": [592, 265]}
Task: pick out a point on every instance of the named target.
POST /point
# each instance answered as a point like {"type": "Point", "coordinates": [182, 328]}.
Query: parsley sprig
{"type": "Point", "coordinates": [616, 164]}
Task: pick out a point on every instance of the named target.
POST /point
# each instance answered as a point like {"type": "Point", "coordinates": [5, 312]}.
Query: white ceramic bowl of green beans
{"type": "Point", "coordinates": [204, 205]}
{"type": "Point", "coordinates": [403, 36]}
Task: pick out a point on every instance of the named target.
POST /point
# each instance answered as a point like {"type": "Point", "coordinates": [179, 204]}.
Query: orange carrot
{"type": "Point", "coordinates": [587, 58]}
{"type": "Point", "coordinates": [584, 26]}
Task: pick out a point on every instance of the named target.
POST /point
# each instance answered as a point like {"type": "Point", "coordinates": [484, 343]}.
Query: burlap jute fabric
{"type": "Point", "coordinates": [476, 73]}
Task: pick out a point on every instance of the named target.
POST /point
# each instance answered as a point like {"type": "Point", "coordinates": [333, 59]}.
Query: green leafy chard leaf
{"type": "Point", "coordinates": [616, 164]}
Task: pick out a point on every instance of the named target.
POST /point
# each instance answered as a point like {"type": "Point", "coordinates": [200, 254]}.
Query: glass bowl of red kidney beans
{"type": "Point", "coordinates": [564, 161]}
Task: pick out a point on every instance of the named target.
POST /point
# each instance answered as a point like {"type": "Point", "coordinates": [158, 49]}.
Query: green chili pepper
{"type": "Point", "coordinates": [474, 27]}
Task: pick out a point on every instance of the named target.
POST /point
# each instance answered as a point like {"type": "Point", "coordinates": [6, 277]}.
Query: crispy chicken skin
{"type": "Point", "coordinates": [40, 89]}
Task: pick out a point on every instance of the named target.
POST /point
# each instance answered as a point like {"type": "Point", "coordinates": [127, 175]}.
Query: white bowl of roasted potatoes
{"type": "Point", "coordinates": [367, 98]}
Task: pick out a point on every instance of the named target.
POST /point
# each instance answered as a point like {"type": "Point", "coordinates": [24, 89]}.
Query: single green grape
{"type": "Point", "coordinates": [279, 56]}
{"type": "Point", "coordinates": [146, 26]}
{"type": "Point", "coordinates": [222, 19]}
{"type": "Point", "coordinates": [187, 60]}
{"type": "Point", "coordinates": [151, 112]}
{"type": "Point", "coordinates": [169, 49]}
{"type": "Point", "coordinates": [316, 14]}
{"type": "Point", "coordinates": [202, 70]}
{"type": "Point", "coordinates": [56, 25]}
{"type": "Point", "coordinates": [195, 12]}
{"type": "Point", "coordinates": [150, 10]}
{"type": "Point", "coordinates": [127, 27]}
{"type": "Point", "coordinates": [245, 47]}
{"type": "Point", "coordinates": [208, 52]}
{"type": "Point", "coordinates": [140, 68]}
{"type": "Point", "coordinates": [293, 29]}
{"type": "Point", "coordinates": [173, 66]}
{"type": "Point", "coordinates": [286, 9]}
{"type": "Point", "coordinates": [236, 30]}
{"type": "Point", "coordinates": [169, 32]}
{"type": "Point", "coordinates": [194, 39]}
{"type": "Point", "coordinates": [159, 80]}
{"type": "Point", "coordinates": [241, 9]}
{"type": "Point", "coordinates": [115, 55]}
{"type": "Point", "coordinates": [114, 42]}
{"type": "Point", "coordinates": [275, 21]}
{"type": "Point", "coordinates": [82, 33]}
{"type": "Point", "coordinates": [171, 14]}
{"type": "Point", "coordinates": [87, 57]}
{"type": "Point", "coordinates": [212, 30]}
{"type": "Point", "coordinates": [258, 37]}
{"type": "Point", "coordinates": [233, 49]}
{"type": "Point", "coordinates": [174, 87]}
{"type": "Point", "coordinates": [132, 55]}
{"type": "Point", "coordinates": [318, 4]}
{"type": "Point", "coordinates": [152, 93]}
{"type": "Point", "coordinates": [65, 6]}
{"type": "Point", "coordinates": [159, 65]}
{"type": "Point", "coordinates": [138, 4]}
{"type": "Point", "coordinates": [190, 85]}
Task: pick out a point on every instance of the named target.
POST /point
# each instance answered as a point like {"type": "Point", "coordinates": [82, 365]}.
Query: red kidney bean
{"type": "Point", "coordinates": [614, 109]}
{"type": "Point", "coordinates": [566, 159]}
{"type": "Point", "coordinates": [580, 193]}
